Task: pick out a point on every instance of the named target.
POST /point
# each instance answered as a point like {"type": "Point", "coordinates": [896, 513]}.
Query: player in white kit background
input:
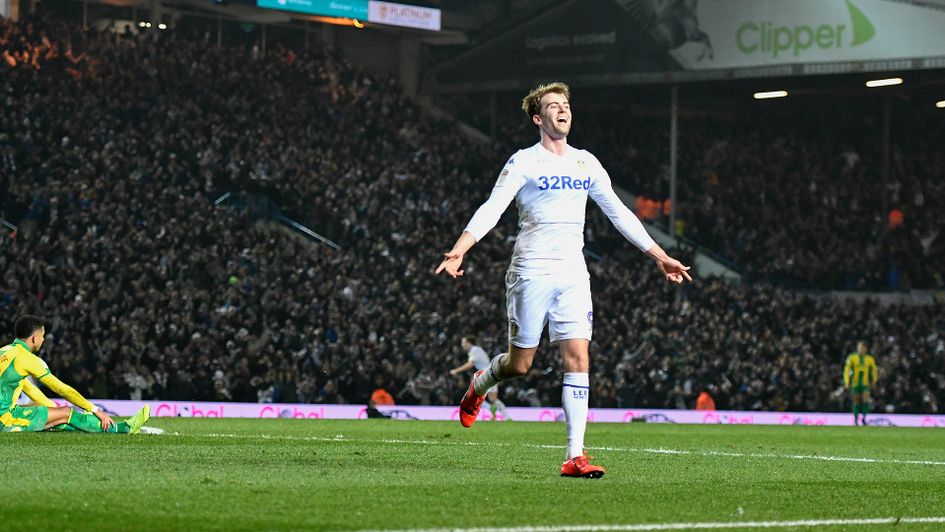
{"type": "Point", "coordinates": [478, 360]}
{"type": "Point", "coordinates": [547, 281]}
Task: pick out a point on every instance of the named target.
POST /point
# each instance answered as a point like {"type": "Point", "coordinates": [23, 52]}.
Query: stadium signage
{"type": "Point", "coordinates": [564, 41]}
{"type": "Point", "coordinates": [332, 8]}
{"type": "Point", "coordinates": [407, 16]}
{"type": "Point", "coordinates": [612, 42]}
{"type": "Point", "coordinates": [764, 33]}
{"type": "Point", "coordinates": [769, 38]}
{"type": "Point", "coordinates": [607, 415]}
{"type": "Point", "coordinates": [389, 13]}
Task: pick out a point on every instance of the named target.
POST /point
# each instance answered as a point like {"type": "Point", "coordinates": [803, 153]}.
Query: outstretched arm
{"type": "Point", "coordinates": [459, 369]}
{"type": "Point", "coordinates": [632, 229]}
{"type": "Point", "coordinates": [70, 394]}
{"type": "Point", "coordinates": [504, 191]}
{"type": "Point", "coordinates": [37, 395]}
{"type": "Point", "coordinates": [673, 270]}
{"type": "Point", "coordinates": [32, 365]}
{"type": "Point", "coordinates": [66, 392]}
{"type": "Point", "coordinates": [454, 258]}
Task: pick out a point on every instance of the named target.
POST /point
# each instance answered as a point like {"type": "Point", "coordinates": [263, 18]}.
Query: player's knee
{"type": "Point", "coordinates": [517, 368]}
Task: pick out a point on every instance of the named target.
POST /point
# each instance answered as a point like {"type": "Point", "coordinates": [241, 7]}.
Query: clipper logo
{"type": "Point", "coordinates": [770, 38]}
{"type": "Point", "coordinates": [564, 182]}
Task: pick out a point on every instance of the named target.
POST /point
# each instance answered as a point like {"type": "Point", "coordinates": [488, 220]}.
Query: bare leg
{"type": "Point", "coordinates": [574, 354]}
{"type": "Point", "coordinates": [57, 416]}
{"type": "Point", "coordinates": [517, 363]}
{"type": "Point", "coordinates": [509, 365]}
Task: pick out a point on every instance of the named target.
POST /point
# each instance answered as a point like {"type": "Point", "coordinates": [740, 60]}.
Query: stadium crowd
{"type": "Point", "coordinates": [110, 164]}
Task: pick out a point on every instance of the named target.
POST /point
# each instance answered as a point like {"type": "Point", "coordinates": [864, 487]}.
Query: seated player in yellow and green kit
{"type": "Point", "coordinates": [859, 372]}
{"type": "Point", "coordinates": [19, 361]}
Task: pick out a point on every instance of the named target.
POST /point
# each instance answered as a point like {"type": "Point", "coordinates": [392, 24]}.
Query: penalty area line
{"type": "Point", "coordinates": [340, 438]}
{"type": "Point", "coordinates": [804, 523]}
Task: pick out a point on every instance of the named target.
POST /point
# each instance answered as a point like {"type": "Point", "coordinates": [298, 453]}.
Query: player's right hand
{"type": "Point", "coordinates": [106, 420]}
{"type": "Point", "coordinates": [451, 264]}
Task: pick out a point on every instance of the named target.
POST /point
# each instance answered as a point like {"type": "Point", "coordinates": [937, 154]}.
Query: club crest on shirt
{"type": "Point", "coordinates": [513, 328]}
{"type": "Point", "coordinates": [582, 164]}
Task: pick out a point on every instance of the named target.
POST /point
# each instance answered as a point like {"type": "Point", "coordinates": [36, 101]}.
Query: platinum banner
{"type": "Point", "coordinates": [448, 413]}
{"type": "Point", "coordinates": [620, 41]}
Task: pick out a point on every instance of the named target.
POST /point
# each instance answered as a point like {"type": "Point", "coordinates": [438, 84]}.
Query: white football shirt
{"type": "Point", "coordinates": [478, 357]}
{"type": "Point", "coordinates": [551, 193]}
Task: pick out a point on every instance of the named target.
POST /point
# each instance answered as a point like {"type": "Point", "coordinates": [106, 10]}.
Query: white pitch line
{"type": "Point", "coordinates": [826, 458]}
{"type": "Point", "coordinates": [710, 453]}
{"type": "Point", "coordinates": [696, 526]}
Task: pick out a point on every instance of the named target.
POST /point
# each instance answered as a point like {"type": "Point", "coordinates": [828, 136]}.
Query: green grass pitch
{"type": "Point", "coordinates": [284, 474]}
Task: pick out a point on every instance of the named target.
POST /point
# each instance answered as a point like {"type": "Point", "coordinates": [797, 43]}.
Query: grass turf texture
{"type": "Point", "coordinates": [242, 474]}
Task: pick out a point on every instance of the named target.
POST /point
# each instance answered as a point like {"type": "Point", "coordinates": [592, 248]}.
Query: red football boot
{"type": "Point", "coordinates": [580, 467]}
{"type": "Point", "coordinates": [471, 403]}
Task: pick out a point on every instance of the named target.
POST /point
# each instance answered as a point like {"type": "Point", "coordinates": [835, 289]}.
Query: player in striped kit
{"type": "Point", "coordinates": [19, 361]}
{"type": "Point", "coordinates": [859, 373]}
{"type": "Point", "coordinates": [479, 360]}
{"type": "Point", "coordinates": [547, 282]}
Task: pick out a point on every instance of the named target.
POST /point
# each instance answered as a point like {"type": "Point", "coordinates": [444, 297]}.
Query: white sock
{"type": "Point", "coordinates": [574, 393]}
{"type": "Point", "coordinates": [489, 377]}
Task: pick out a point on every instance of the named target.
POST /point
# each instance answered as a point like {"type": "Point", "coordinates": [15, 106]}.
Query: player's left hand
{"type": "Point", "coordinates": [674, 271]}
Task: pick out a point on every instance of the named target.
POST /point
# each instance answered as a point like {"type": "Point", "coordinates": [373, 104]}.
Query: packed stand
{"type": "Point", "coordinates": [110, 165]}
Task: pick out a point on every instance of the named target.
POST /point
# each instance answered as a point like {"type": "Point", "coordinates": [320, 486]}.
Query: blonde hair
{"type": "Point", "coordinates": [531, 104]}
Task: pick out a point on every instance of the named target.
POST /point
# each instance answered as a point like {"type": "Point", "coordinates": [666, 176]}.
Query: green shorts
{"type": "Point", "coordinates": [24, 419]}
{"type": "Point", "coordinates": [860, 388]}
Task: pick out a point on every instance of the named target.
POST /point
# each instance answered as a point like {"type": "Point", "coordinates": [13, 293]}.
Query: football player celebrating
{"type": "Point", "coordinates": [547, 282]}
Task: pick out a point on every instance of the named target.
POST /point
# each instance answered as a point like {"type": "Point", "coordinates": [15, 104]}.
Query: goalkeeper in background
{"type": "Point", "coordinates": [19, 361]}
{"type": "Point", "coordinates": [859, 372]}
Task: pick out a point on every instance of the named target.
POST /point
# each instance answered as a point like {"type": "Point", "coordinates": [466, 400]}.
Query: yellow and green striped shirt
{"type": "Point", "coordinates": [16, 363]}
{"type": "Point", "coordinates": [860, 370]}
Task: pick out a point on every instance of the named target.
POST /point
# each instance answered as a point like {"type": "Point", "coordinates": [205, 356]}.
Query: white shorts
{"type": "Point", "coordinates": [562, 301]}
